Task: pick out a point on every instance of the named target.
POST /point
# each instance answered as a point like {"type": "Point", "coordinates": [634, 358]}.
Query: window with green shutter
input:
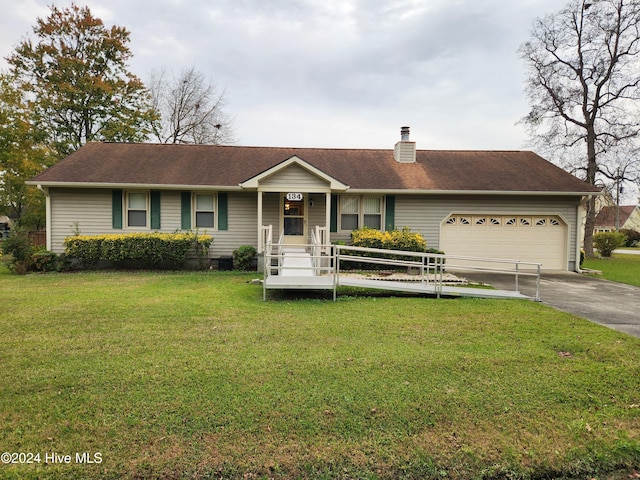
{"type": "Point", "coordinates": [155, 210]}
{"type": "Point", "coordinates": [223, 211]}
{"type": "Point", "coordinates": [116, 209]}
{"type": "Point", "coordinates": [185, 210]}
{"type": "Point", "coordinates": [390, 213]}
{"type": "Point", "coordinates": [334, 214]}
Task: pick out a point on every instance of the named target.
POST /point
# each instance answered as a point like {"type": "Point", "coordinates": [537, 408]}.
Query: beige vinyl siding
{"type": "Point", "coordinates": [271, 213]}
{"type": "Point", "coordinates": [88, 211]}
{"type": "Point", "coordinates": [317, 212]}
{"type": "Point", "coordinates": [242, 223]}
{"type": "Point", "coordinates": [293, 179]}
{"type": "Point", "coordinates": [169, 211]}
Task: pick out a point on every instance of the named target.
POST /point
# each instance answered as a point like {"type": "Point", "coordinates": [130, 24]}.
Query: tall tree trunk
{"type": "Point", "coordinates": [592, 168]}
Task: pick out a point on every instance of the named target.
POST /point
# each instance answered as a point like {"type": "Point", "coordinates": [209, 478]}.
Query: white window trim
{"type": "Point", "coordinates": [361, 212]}
{"type": "Point", "coordinates": [147, 196]}
{"type": "Point", "coordinates": [194, 205]}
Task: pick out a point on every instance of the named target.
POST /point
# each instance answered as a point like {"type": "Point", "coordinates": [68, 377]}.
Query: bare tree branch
{"type": "Point", "coordinates": [584, 89]}
{"type": "Point", "coordinates": [191, 110]}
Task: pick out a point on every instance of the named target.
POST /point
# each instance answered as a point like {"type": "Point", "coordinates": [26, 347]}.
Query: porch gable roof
{"type": "Point", "coordinates": [253, 183]}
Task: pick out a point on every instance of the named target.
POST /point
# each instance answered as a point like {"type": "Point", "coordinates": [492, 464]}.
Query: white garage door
{"type": "Point", "coordinates": [528, 238]}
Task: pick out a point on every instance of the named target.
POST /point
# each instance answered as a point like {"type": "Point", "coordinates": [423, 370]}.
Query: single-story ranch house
{"type": "Point", "coordinates": [628, 218]}
{"type": "Point", "coordinates": [493, 204]}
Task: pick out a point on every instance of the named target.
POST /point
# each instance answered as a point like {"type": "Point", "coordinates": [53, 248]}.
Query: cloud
{"type": "Point", "coordinates": [337, 73]}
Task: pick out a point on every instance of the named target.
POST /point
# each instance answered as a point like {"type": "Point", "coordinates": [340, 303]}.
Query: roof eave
{"type": "Point", "coordinates": [150, 186]}
{"type": "Point", "coordinates": [242, 187]}
{"type": "Point", "coordinates": [472, 192]}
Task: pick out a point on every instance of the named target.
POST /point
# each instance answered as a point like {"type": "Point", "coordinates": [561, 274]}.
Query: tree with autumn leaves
{"type": "Point", "coordinates": [23, 154]}
{"type": "Point", "coordinates": [70, 85]}
{"type": "Point", "coordinates": [78, 80]}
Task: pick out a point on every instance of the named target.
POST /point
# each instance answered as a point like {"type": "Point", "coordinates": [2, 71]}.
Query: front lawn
{"type": "Point", "coordinates": [191, 375]}
{"type": "Point", "coordinates": [622, 268]}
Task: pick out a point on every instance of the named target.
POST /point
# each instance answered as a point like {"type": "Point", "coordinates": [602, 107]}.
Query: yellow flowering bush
{"type": "Point", "coordinates": [403, 239]}
{"type": "Point", "coordinates": [150, 249]}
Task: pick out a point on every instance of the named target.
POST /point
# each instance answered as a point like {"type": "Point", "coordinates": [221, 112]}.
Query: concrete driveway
{"type": "Point", "coordinates": [611, 304]}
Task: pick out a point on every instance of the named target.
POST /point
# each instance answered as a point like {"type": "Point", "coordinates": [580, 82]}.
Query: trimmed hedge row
{"type": "Point", "coordinates": [149, 249]}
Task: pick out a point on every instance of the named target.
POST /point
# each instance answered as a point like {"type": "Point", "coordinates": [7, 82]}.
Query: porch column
{"type": "Point", "coordinates": [260, 245]}
{"type": "Point", "coordinates": [327, 221]}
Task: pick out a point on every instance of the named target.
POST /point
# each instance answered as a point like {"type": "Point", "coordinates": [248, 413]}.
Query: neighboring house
{"type": "Point", "coordinates": [494, 204]}
{"type": "Point", "coordinates": [629, 218]}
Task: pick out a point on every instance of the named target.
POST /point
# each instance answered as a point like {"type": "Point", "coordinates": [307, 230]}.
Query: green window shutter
{"type": "Point", "coordinates": [390, 213]}
{"type": "Point", "coordinates": [155, 210]}
{"type": "Point", "coordinates": [116, 209]}
{"type": "Point", "coordinates": [185, 210]}
{"type": "Point", "coordinates": [223, 211]}
{"type": "Point", "coordinates": [334, 213]}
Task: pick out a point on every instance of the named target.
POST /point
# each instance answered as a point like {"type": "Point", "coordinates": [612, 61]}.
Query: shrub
{"type": "Point", "coordinates": [151, 250]}
{"type": "Point", "coordinates": [367, 238]}
{"type": "Point", "coordinates": [44, 261]}
{"type": "Point", "coordinates": [607, 242]}
{"type": "Point", "coordinates": [243, 257]}
{"type": "Point", "coordinates": [633, 237]}
{"type": "Point", "coordinates": [403, 239]}
{"type": "Point", "coordinates": [21, 250]}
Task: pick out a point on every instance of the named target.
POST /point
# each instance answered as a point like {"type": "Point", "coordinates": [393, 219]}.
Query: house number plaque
{"type": "Point", "coordinates": [294, 197]}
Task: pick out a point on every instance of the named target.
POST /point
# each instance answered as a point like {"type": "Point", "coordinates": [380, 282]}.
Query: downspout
{"type": "Point", "coordinates": [580, 226]}
{"type": "Point", "coordinates": [45, 190]}
{"type": "Point", "coordinates": [260, 207]}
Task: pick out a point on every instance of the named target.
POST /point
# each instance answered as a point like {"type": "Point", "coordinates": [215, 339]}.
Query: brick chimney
{"type": "Point", "coordinates": [405, 150]}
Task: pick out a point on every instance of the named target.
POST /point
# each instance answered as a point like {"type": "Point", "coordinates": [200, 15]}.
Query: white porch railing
{"type": "Point", "coordinates": [266, 237]}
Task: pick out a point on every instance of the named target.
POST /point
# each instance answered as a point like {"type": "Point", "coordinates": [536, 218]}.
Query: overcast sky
{"type": "Point", "coordinates": [334, 73]}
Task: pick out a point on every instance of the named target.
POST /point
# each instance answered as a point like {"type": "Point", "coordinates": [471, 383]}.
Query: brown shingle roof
{"type": "Point", "coordinates": [607, 215]}
{"type": "Point", "coordinates": [361, 169]}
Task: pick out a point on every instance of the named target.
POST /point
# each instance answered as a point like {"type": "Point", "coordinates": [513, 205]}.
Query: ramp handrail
{"type": "Point", "coordinates": [327, 259]}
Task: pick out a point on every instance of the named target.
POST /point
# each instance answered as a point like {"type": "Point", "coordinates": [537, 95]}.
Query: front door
{"type": "Point", "coordinates": [294, 218]}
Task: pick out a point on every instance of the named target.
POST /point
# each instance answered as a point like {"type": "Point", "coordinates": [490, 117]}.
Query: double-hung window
{"type": "Point", "coordinates": [137, 209]}
{"type": "Point", "coordinates": [356, 212]}
{"type": "Point", "coordinates": [349, 213]}
{"type": "Point", "coordinates": [372, 212]}
{"type": "Point", "coordinates": [204, 210]}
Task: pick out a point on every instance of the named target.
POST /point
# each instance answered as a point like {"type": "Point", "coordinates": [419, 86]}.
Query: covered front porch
{"type": "Point", "coordinates": [294, 197]}
{"type": "Point", "coordinates": [293, 217]}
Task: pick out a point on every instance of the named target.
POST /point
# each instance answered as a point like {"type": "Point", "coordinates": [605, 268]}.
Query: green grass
{"type": "Point", "coordinates": [191, 375]}
{"type": "Point", "coordinates": [618, 268]}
